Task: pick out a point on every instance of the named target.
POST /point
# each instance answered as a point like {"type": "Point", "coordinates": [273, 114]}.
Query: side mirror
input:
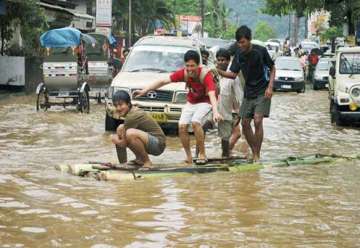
{"type": "Point", "coordinates": [332, 71]}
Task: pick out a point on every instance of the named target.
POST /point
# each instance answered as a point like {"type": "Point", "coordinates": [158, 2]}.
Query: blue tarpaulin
{"type": "Point", "coordinates": [64, 37]}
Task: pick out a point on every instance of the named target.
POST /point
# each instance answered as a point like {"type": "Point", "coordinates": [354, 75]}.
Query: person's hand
{"type": "Point", "coordinates": [217, 117]}
{"type": "Point", "coordinates": [115, 139]}
{"type": "Point", "coordinates": [268, 92]}
{"type": "Point", "coordinates": [139, 93]}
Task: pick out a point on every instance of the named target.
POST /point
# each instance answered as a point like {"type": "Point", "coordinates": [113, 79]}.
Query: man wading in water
{"type": "Point", "coordinates": [201, 98]}
{"type": "Point", "coordinates": [253, 61]}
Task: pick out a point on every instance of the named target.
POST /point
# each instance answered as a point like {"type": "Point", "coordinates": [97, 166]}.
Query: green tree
{"type": "Point", "coordinates": [144, 14]}
{"type": "Point", "coordinates": [263, 31]}
{"type": "Point", "coordinates": [331, 34]}
{"type": "Point", "coordinates": [31, 19]}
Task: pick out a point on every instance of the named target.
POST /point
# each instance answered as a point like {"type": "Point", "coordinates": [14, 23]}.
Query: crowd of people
{"type": "Point", "coordinates": [238, 91]}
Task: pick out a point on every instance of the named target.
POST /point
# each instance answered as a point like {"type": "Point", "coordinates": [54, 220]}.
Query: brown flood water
{"type": "Point", "coordinates": [312, 206]}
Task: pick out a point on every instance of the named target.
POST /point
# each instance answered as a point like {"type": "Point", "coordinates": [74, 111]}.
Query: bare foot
{"type": "Point", "coordinates": [188, 160]}
{"type": "Point", "coordinates": [256, 159]}
{"type": "Point", "coordinates": [147, 165]}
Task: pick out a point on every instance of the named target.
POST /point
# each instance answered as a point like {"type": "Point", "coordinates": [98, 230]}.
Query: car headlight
{"type": "Point", "coordinates": [180, 97]}
{"type": "Point", "coordinates": [355, 92]}
{"type": "Point", "coordinates": [299, 79]}
{"type": "Point", "coordinates": [318, 77]}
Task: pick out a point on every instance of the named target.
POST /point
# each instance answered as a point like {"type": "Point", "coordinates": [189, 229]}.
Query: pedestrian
{"type": "Point", "coordinates": [201, 99]}
{"type": "Point", "coordinates": [231, 94]}
{"type": "Point", "coordinates": [254, 62]}
{"type": "Point", "coordinates": [205, 56]}
{"type": "Point", "coordinates": [140, 133]}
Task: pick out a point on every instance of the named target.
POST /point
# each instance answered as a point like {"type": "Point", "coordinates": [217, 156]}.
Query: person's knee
{"type": "Point", "coordinates": [130, 134]}
{"type": "Point", "coordinates": [245, 123]}
{"type": "Point", "coordinates": [196, 125]}
{"type": "Point", "coordinates": [183, 128]}
{"type": "Point", "coordinates": [258, 121]}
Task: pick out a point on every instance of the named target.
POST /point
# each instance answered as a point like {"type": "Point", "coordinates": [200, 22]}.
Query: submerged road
{"type": "Point", "coordinates": [311, 206]}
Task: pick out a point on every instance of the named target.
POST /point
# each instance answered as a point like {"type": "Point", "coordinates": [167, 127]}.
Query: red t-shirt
{"type": "Point", "coordinates": [197, 90]}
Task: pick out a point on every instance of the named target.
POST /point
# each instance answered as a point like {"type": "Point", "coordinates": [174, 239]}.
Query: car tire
{"type": "Point", "coordinates": [315, 86]}
{"type": "Point", "coordinates": [111, 124]}
{"type": "Point", "coordinates": [335, 115]}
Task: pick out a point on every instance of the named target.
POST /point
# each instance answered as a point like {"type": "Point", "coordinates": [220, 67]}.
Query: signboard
{"type": "Point", "coordinates": [188, 23]}
{"type": "Point", "coordinates": [103, 13]}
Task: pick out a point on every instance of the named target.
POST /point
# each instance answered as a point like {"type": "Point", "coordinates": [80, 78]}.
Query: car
{"type": "Point", "coordinates": [344, 89]}
{"type": "Point", "coordinates": [309, 45]}
{"type": "Point", "coordinates": [321, 75]}
{"type": "Point", "coordinates": [289, 75]}
{"type": "Point", "coordinates": [152, 58]}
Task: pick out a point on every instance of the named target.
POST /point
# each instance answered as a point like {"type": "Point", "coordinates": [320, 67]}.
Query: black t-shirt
{"type": "Point", "coordinates": [252, 65]}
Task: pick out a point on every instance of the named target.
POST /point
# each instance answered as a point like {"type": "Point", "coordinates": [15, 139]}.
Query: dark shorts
{"type": "Point", "coordinates": [154, 146]}
{"type": "Point", "coordinates": [252, 106]}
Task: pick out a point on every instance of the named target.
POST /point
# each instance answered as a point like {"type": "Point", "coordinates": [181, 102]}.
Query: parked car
{"type": "Point", "coordinates": [150, 59]}
{"type": "Point", "coordinates": [309, 45]}
{"type": "Point", "coordinates": [289, 75]}
{"type": "Point", "coordinates": [321, 75]}
{"type": "Point", "coordinates": [344, 88]}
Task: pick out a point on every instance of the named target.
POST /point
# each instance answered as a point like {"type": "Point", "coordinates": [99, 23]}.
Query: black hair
{"type": "Point", "coordinates": [204, 52]}
{"type": "Point", "coordinates": [192, 55]}
{"type": "Point", "coordinates": [243, 32]}
{"type": "Point", "coordinates": [121, 95]}
{"type": "Point", "coordinates": [222, 52]}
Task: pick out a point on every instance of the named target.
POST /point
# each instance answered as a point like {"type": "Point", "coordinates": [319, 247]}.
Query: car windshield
{"type": "Point", "coordinates": [288, 65]}
{"type": "Point", "coordinates": [155, 58]}
{"type": "Point", "coordinates": [323, 66]}
{"type": "Point", "coordinates": [350, 63]}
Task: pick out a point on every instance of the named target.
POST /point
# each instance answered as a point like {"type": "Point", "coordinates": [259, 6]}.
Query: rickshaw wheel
{"type": "Point", "coordinates": [84, 102]}
{"type": "Point", "coordinates": [42, 100]}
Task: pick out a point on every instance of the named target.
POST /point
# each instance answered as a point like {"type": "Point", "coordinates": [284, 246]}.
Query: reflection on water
{"type": "Point", "coordinates": [312, 206]}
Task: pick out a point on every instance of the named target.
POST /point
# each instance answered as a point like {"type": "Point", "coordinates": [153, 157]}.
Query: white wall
{"type": "Point", "coordinates": [12, 71]}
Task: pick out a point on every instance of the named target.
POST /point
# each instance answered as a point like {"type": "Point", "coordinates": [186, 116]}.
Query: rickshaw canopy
{"type": "Point", "coordinates": [64, 37]}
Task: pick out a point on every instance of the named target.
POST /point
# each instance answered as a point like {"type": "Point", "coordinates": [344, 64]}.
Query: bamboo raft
{"type": "Point", "coordinates": [116, 172]}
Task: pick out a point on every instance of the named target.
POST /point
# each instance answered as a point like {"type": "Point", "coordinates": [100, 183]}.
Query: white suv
{"type": "Point", "coordinates": [344, 88]}
{"type": "Point", "coordinates": [150, 59]}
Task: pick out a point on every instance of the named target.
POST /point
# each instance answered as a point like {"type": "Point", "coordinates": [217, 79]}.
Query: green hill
{"type": "Point", "coordinates": [248, 12]}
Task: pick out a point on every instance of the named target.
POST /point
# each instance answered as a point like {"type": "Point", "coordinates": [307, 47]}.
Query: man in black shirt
{"type": "Point", "coordinates": [254, 62]}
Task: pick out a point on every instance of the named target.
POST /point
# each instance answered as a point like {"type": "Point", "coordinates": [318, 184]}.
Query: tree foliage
{"type": "Point", "coordinates": [263, 31]}
{"type": "Point", "coordinates": [30, 17]}
{"type": "Point", "coordinates": [144, 15]}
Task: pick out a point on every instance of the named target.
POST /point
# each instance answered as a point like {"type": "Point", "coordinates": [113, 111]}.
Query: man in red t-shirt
{"type": "Point", "coordinates": [201, 99]}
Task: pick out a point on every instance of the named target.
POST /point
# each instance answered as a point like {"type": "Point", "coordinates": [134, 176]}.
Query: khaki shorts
{"type": "Point", "coordinates": [259, 105]}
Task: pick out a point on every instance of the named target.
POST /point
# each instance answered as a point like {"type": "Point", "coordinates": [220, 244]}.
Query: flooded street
{"type": "Point", "coordinates": [304, 206]}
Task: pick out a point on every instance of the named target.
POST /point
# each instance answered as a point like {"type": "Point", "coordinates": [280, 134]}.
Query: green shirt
{"type": "Point", "coordinates": [139, 119]}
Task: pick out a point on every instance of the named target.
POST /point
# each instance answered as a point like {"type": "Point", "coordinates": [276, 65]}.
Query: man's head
{"type": "Point", "coordinates": [126, 52]}
{"type": "Point", "coordinates": [122, 102]}
{"type": "Point", "coordinates": [243, 38]}
{"type": "Point", "coordinates": [205, 56]}
{"type": "Point", "coordinates": [192, 61]}
{"type": "Point", "coordinates": [222, 59]}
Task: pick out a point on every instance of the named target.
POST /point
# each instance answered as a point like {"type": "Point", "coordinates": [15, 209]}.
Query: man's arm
{"type": "Point", "coordinates": [216, 116]}
{"type": "Point", "coordinates": [227, 74]}
{"type": "Point", "coordinates": [153, 86]}
{"type": "Point", "coordinates": [269, 90]}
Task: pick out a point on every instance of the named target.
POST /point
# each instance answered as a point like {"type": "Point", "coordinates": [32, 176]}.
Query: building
{"type": "Point", "coordinates": [76, 13]}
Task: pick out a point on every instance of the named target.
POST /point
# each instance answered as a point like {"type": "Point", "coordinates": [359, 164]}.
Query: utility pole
{"type": "Point", "coordinates": [130, 32]}
{"type": "Point", "coordinates": [202, 17]}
